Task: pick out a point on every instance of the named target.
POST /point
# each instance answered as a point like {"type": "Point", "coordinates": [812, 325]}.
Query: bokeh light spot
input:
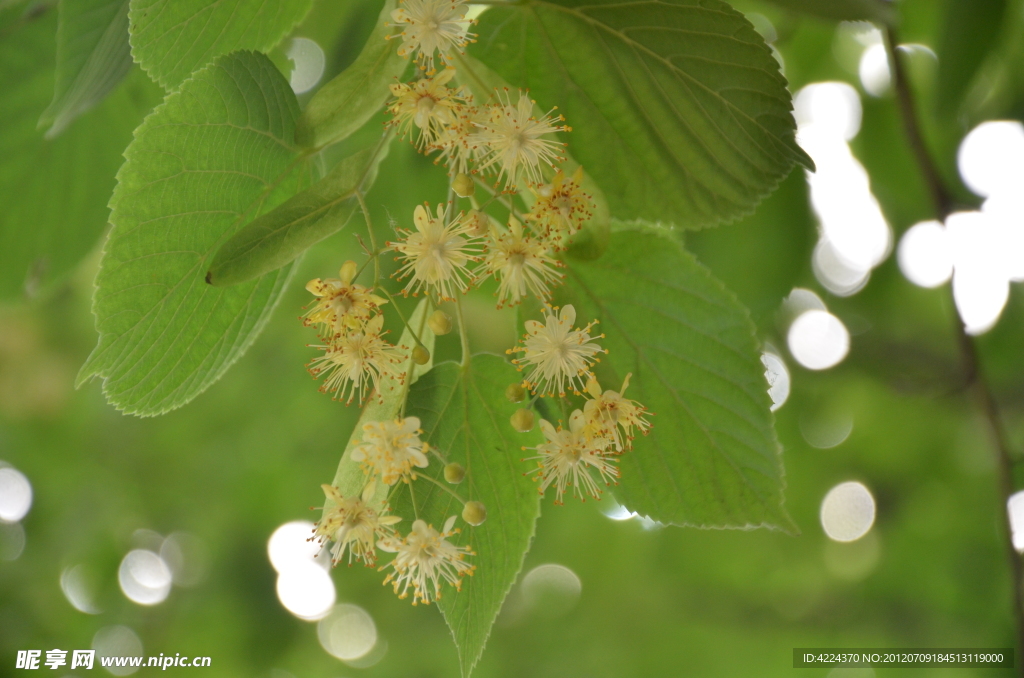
{"type": "Point", "coordinates": [847, 512]}
{"type": "Point", "coordinates": [924, 254]}
{"type": "Point", "coordinates": [144, 577]}
{"type": "Point", "coordinates": [818, 340]}
{"type": "Point", "coordinates": [306, 590]}
{"type": "Point", "coordinates": [551, 590]}
{"type": "Point", "coordinates": [991, 157]}
{"type": "Point", "coordinates": [78, 589]}
{"type": "Point", "coordinates": [117, 641]}
{"type": "Point", "coordinates": [15, 494]}
{"type": "Point", "coordinates": [778, 379]}
{"type": "Point", "coordinates": [289, 545]}
{"type": "Point", "coordinates": [347, 632]}
{"type": "Point", "coordinates": [309, 61]}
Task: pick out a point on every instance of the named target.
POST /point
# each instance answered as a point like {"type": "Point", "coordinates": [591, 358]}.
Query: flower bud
{"type": "Point", "coordinates": [454, 473]}
{"type": "Point", "coordinates": [440, 323]}
{"type": "Point", "coordinates": [420, 355]}
{"type": "Point", "coordinates": [474, 513]}
{"type": "Point", "coordinates": [463, 185]}
{"type": "Point", "coordinates": [522, 420]}
{"type": "Point", "coordinates": [515, 393]}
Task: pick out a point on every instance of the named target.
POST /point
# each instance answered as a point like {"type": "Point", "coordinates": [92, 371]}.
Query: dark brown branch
{"type": "Point", "coordinates": [978, 384]}
{"type": "Point", "coordinates": [942, 200]}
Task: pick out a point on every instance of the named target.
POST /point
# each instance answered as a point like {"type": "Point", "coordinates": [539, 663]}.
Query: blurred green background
{"type": "Point", "coordinates": [636, 599]}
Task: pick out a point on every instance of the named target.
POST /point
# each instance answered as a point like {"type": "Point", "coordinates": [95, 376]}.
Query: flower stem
{"type": "Point", "coordinates": [441, 485]}
{"type": "Point", "coordinates": [401, 317]}
{"type": "Point", "coordinates": [373, 237]}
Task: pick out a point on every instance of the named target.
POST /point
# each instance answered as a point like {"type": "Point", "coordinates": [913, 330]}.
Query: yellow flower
{"type": "Point", "coordinates": [430, 26]}
{"type": "Point", "coordinates": [355, 360]}
{"type": "Point", "coordinates": [565, 459]}
{"type": "Point", "coordinates": [512, 142]}
{"type": "Point", "coordinates": [520, 264]}
{"type": "Point", "coordinates": [353, 526]}
{"type": "Point", "coordinates": [428, 104]}
{"type": "Point", "coordinates": [558, 355]}
{"type": "Point", "coordinates": [423, 559]}
{"type": "Point", "coordinates": [561, 207]}
{"type": "Point", "coordinates": [342, 304]}
{"type": "Point", "coordinates": [436, 253]}
{"type": "Point", "coordinates": [609, 411]}
{"type": "Point", "coordinates": [392, 448]}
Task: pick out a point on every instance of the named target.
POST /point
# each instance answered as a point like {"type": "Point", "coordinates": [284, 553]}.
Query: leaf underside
{"type": "Point", "coordinates": [677, 104]}
{"type": "Point", "coordinates": [212, 156]}
{"type": "Point", "coordinates": [465, 416]}
{"type": "Point", "coordinates": [711, 459]}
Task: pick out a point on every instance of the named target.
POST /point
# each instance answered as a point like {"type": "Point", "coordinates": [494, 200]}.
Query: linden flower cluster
{"type": "Point", "coordinates": [388, 452]}
{"type": "Point", "coordinates": [502, 138]}
{"type": "Point", "coordinates": [558, 356]}
{"type": "Point", "coordinates": [510, 150]}
{"type": "Point", "coordinates": [350, 323]}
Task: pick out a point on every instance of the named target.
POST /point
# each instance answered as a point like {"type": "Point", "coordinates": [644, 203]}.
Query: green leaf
{"type": "Point", "coordinates": [350, 478]}
{"type": "Point", "coordinates": [969, 33]}
{"type": "Point", "coordinates": [677, 107]}
{"type": "Point", "coordinates": [348, 101]}
{"type": "Point", "coordinates": [207, 160]}
{"type": "Point", "coordinates": [93, 56]}
{"type": "Point", "coordinates": [465, 415]}
{"type": "Point", "coordinates": [283, 234]}
{"type": "Point", "coordinates": [55, 191]}
{"type": "Point", "coordinates": [881, 11]}
{"type": "Point", "coordinates": [711, 458]}
{"type": "Point", "coordinates": [172, 38]}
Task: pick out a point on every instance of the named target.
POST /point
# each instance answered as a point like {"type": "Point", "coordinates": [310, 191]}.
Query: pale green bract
{"type": "Point", "coordinates": [282, 235]}
{"type": "Point", "coordinates": [465, 415]}
{"type": "Point", "coordinates": [711, 458]}
{"type": "Point", "coordinates": [677, 107]}
{"type": "Point", "coordinates": [172, 38]}
{"type": "Point", "coordinates": [348, 101]}
{"type": "Point", "coordinates": [211, 157]}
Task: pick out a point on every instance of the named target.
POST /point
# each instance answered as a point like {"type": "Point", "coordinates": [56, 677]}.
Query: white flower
{"type": "Point", "coordinates": [353, 526]}
{"type": "Point", "coordinates": [392, 449]}
{"type": "Point", "coordinates": [356, 360]}
{"type": "Point", "coordinates": [567, 455]}
{"type": "Point", "coordinates": [520, 264]}
{"type": "Point", "coordinates": [430, 26]}
{"type": "Point", "coordinates": [609, 411]}
{"type": "Point", "coordinates": [436, 253]}
{"type": "Point", "coordinates": [423, 559]}
{"type": "Point", "coordinates": [342, 305]}
{"type": "Point", "coordinates": [558, 356]}
{"type": "Point", "coordinates": [512, 140]}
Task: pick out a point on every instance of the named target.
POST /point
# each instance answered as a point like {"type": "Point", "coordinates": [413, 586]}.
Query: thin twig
{"type": "Point", "coordinates": [942, 199]}
{"type": "Point", "coordinates": [974, 375]}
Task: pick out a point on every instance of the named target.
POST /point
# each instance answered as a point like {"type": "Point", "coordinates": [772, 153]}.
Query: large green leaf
{"type": "Point", "coordinates": [55, 191]}
{"type": "Point", "coordinates": [465, 414]}
{"type": "Point", "coordinates": [348, 101]}
{"type": "Point", "coordinates": [93, 56]}
{"type": "Point", "coordinates": [711, 458]}
{"type": "Point", "coordinates": [678, 108]}
{"type": "Point", "coordinates": [211, 157]}
{"type": "Point", "coordinates": [280, 236]}
{"type": "Point", "coordinates": [172, 38]}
